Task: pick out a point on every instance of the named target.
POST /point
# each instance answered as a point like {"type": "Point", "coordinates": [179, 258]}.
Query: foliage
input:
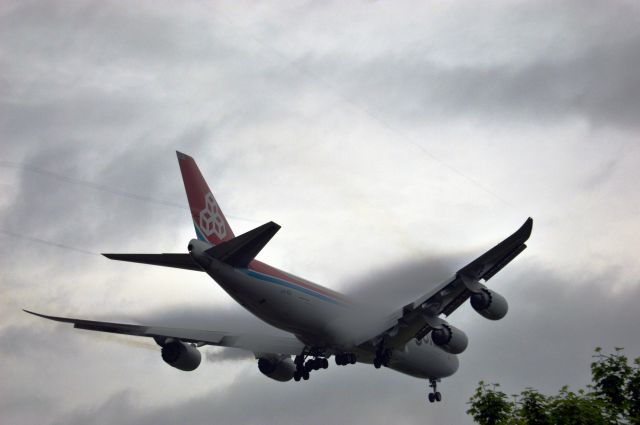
{"type": "Point", "coordinates": [612, 398]}
{"type": "Point", "coordinates": [533, 408]}
{"type": "Point", "coordinates": [490, 406]}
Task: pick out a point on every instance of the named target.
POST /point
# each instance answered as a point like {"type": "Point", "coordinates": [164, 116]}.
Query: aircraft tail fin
{"type": "Point", "coordinates": [208, 219]}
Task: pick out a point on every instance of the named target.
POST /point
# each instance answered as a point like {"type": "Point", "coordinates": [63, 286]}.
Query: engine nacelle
{"type": "Point", "coordinates": [180, 355]}
{"type": "Point", "coordinates": [280, 368]}
{"type": "Point", "coordinates": [450, 339]}
{"type": "Point", "coordinates": [489, 304]}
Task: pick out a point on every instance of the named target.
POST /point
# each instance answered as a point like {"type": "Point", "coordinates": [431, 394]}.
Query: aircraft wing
{"type": "Point", "coordinates": [414, 319]}
{"type": "Point", "coordinates": [250, 342]}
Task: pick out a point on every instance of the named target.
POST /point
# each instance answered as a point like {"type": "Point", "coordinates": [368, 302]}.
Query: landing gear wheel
{"type": "Point", "coordinates": [344, 359]}
{"type": "Point", "coordinates": [386, 358]}
{"type": "Point", "coordinates": [434, 395]}
{"type": "Point", "coordinates": [299, 362]}
{"type": "Point", "coordinates": [301, 368]}
{"type": "Point", "coordinates": [305, 375]}
{"type": "Point", "coordinates": [383, 356]}
{"type": "Point", "coordinates": [325, 363]}
{"type": "Point", "coordinates": [311, 365]}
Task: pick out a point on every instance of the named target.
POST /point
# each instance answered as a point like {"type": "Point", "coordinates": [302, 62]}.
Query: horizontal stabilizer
{"type": "Point", "coordinates": [239, 251]}
{"type": "Point", "coordinates": [179, 261]}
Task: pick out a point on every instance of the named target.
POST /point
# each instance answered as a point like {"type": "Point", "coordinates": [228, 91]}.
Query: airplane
{"type": "Point", "coordinates": [414, 339]}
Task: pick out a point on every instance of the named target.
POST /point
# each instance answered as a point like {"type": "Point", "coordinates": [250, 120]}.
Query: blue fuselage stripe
{"type": "Point", "coordinates": [199, 233]}
{"type": "Point", "coordinates": [281, 282]}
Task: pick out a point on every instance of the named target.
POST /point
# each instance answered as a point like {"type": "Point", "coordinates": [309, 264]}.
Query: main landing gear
{"type": "Point", "coordinates": [435, 395]}
{"type": "Point", "coordinates": [383, 357]}
{"type": "Point", "coordinates": [344, 359]}
{"type": "Point", "coordinates": [303, 368]}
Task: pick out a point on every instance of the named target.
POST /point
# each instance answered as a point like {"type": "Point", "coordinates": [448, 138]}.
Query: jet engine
{"type": "Point", "coordinates": [280, 368]}
{"type": "Point", "coordinates": [489, 304]}
{"type": "Point", "coordinates": [450, 339]}
{"type": "Point", "coordinates": [180, 355]}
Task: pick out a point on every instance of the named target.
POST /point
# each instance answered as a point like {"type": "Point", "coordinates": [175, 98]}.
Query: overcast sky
{"type": "Point", "coordinates": [392, 141]}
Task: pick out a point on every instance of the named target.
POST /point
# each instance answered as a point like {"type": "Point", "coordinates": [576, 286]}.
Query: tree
{"type": "Point", "coordinates": [490, 406]}
{"type": "Point", "coordinates": [612, 380]}
{"type": "Point", "coordinates": [633, 392]}
{"type": "Point", "coordinates": [569, 408]}
{"type": "Point", "coordinates": [612, 398]}
{"type": "Point", "coordinates": [533, 408]}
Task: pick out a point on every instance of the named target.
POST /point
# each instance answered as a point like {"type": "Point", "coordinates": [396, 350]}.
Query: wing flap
{"type": "Point", "coordinates": [411, 321]}
{"type": "Point", "coordinates": [489, 264]}
{"type": "Point", "coordinates": [179, 261]}
{"type": "Point", "coordinates": [251, 342]}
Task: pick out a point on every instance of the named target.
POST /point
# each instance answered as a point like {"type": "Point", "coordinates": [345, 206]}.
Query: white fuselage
{"type": "Point", "coordinates": [317, 316]}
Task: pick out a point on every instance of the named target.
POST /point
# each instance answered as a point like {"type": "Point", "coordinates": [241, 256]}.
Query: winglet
{"type": "Point", "coordinates": [240, 250]}
{"type": "Point", "coordinates": [494, 260]}
{"type": "Point", "coordinates": [524, 232]}
{"type": "Point", "coordinates": [44, 316]}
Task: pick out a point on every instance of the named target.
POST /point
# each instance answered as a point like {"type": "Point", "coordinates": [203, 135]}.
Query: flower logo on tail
{"type": "Point", "coordinates": [211, 221]}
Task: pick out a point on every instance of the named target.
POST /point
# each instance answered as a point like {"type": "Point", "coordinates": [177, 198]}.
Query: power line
{"type": "Point", "coordinates": [102, 187]}
{"type": "Point", "coordinates": [46, 242]}
{"type": "Point", "coordinates": [95, 186]}
{"type": "Point", "coordinates": [357, 106]}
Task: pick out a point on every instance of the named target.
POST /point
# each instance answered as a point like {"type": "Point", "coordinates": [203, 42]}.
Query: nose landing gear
{"type": "Point", "coordinates": [434, 395]}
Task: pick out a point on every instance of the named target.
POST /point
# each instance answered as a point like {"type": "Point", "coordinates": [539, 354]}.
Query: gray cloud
{"type": "Point", "coordinates": [532, 63]}
{"type": "Point", "coordinates": [392, 286]}
{"type": "Point", "coordinates": [228, 354]}
{"type": "Point", "coordinates": [552, 326]}
{"type": "Point", "coordinates": [207, 316]}
{"type": "Point", "coordinates": [81, 213]}
{"type": "Point", "coordinates": [270, 102]}
{"type": "Point", "coordinates": [598, 85]}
